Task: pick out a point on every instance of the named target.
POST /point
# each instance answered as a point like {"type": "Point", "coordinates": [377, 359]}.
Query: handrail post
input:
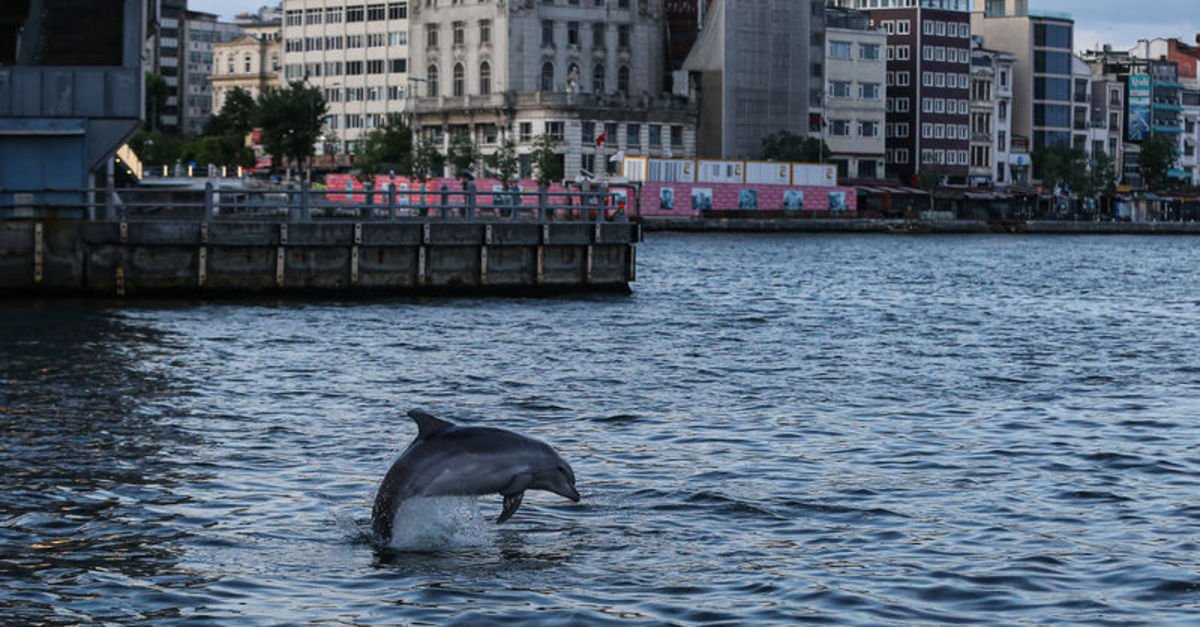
{"type": "Point", "coordinates": [444, 211]}
{"type": "Point", "coordinates": [209, 205]}
{"type": "Point", "coordinates": [542, 199]}
{"type": "Point", "coordinates": [391, 200]}
{"type": "Point", "coordinates": [368, 199]}
{"type": "Point", "coordinates": [470, 191]}
{"type": "Point", "coordinates": [304, 204]}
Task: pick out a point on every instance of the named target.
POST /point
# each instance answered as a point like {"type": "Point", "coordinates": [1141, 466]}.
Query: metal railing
{"type": "Point", "coordinates": [305, 205]}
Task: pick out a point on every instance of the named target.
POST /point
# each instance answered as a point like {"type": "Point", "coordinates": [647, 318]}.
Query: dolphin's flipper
{"type": "Point", "coordinates": [513, 493]}
{"type": "Point", "coordinates": [511, 503]}
{"type": "Point", "coordinates": [428, 425]}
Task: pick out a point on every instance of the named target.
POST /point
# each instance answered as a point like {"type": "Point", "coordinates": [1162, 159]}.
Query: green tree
{"type": "Point", "coordinates": [504, 161]}
{"type": "Point", "coordinates": [463, 153]}
{"type": "Point", "coordinates": [236, 117]}
{"type": "Point", "coordinates": [387, 148]}
{"type": "Point", "coordinates": [426, 160]}
{"type": "Point", "coordinates": [156, 148]}
{"type": "Point", "coordinates": [290, 119]}
{"type": "Point", "coordinates": [1101, 177]}
{"type": "Point", "coordinates": [547, 162]}
{"type": "Point", "coordinates": [156, 96]}
{"type": "Point", "coordinates": [788, 146]}
{"type": "Point", "coordinates": [1157, 157]}
{"type": "Point", "coordinates": [1062, 167]}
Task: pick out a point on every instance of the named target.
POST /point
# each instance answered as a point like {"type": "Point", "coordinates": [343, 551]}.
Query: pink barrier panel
{"type": "Point", "coordinates": [688, 199]}
{"type": "Point", "coordinates": [340, 188]}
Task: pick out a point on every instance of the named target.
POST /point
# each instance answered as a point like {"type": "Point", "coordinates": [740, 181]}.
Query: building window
{"type": "Point", "coordinates": [376, 12]}
{"type": "Point", "coordinates": [460, 80]}
{"type": "Point", "coordinates": [431, 81]}
{"type": "Point", "coordinates": [623, 36]}
{"type": "Point", "coordinates": [655, 136]}
{"type": "Point", "coordinates": [623, 79]}
{"type": "Point", "coordinates": [547, 77]}
{"type": "Point", "coordinates": [431, 35]}
{"type": "Point", "coordinates": [354, 14]}
{"type": "Point", "coordinates": [572, 33]}
{"type": "Point", "coordinates": [839, 89]}
{"type": "Point", "coordinates": [839, 49]}
{"type": "Point", "coordinates": [599, 30]}
{"type": "Point", "coordinates": [547, 33]}
{"type": "Point", "coordinates": [598, 78]}
{"type": "Point", "coordinates": [633, 134]}
{"type": "Point", "coordinates": [525, 131]}
{"type": "Point", "coordinates": [485, 78]}
{"type": "Point", "coordinates": [485, 31]}
{"type": "Point", "coordinates": [869, 52]}
{"type": "Point", "coordinates": [677, 136]}
{"type": "Point", "coordinates": [457, 33]}
{"type": "Point", "coordinates": [869, 91]}
{"type": "Point", "coordinates": [555, 130]}
{"type": "Point", "coordinates": [868, 128]}
{"type": "Point", "coordinates": [839, 128]}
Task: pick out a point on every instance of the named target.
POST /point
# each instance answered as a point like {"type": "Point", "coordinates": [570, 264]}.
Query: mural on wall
{"type": "Point", "coordinates": [702, 199]}
{"type": "Point", "coordinates": [748, 198]}
{"type": "Point", "coordinates": [666, 198]}
{"type": "Point", "coordinates": [793, 200]}
{"type": "Point", "coordinates": [837, 201]}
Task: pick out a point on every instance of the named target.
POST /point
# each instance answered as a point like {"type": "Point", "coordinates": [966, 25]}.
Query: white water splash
{"type": "Point", "coordinates": [440, 523]}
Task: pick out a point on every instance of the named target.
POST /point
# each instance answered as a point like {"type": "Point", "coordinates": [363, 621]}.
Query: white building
{"type": "Point", "coordinates": [855, 96]}
{"type": "Point", "coordinates": [253, 61]}
{"type": "Point", "coordinates": [493, 70]}
{"type": "Point", "coordinates": [991, 116]}
{"type": "Point", "coordinates": [357, 54]}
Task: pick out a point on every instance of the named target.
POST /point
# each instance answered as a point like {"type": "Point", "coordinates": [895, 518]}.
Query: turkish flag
{"type": "Point", "coordinates": [601, 138]}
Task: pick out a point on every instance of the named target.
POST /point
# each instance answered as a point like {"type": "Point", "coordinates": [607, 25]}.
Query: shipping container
{"type": "Point", "coordinates": [634, 168]}
{"type": "Point", "coordinates": [814, 175]}
{"type": "Point", "coordinates": [768, 173]}
{"type": "Point", "coordinates": [671, 170]}
{"type": "Point", "coordinates": [720, 171]}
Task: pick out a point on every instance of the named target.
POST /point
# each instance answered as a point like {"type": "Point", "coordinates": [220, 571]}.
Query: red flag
{"type": "Point", "coordinates": [601, 138]}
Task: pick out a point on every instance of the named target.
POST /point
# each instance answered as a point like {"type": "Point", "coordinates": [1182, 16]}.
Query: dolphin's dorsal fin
{"type": "Point", "coordinates": [428, 425]}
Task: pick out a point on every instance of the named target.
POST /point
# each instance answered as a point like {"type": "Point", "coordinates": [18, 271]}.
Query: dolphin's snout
{"type": "Point", "coordinates": [571, 493]}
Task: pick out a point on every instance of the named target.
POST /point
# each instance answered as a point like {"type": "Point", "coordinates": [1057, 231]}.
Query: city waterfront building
{"type": "Point", "coordinates": [253, 61]}
{"type": "Point", "coordinates": [758, 67]}
{"type": "Point", "coordinates": [928, 86]}
{"type": "Point", "coordinates": [992, 162]}
{"type": "Point", "coordinates": [1152, 106]}
{"type": "Point", "coordinates": [855, 96]}
{"type": "Point", "coordinates": [164, 49]}
{"type": "Point", "coordinates": [357, 54]}
{"type": "Point", "coordinates": [1187, 59]}
{"type": "Point", "coordinates": [1050, 99]}
{"type": "Point", "coordinates": [589, 76]}
{"type": "Point", "coordinates": [201, 31]}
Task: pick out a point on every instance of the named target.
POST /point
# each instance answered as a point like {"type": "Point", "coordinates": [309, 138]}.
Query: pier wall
{"type": "Point", "coordinates": [193, 258]}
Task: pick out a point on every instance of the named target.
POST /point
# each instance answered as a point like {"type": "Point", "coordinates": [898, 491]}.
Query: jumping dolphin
{"type": "Point", "coordinates": [448, 460]}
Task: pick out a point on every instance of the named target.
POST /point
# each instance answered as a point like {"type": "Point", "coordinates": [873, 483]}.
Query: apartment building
{"type": "Point", "coordinates": [1153, 102]}
{"type": "Point", "coordinates": [758, 68]}
{"type": "Point", "coordinates": [201, 31]}
{"type": "Point", "coordinates": [1050, 95]}
{"type": "Point", "coordinates": [855, 97]}
{"type": "Point", "coordinates": [992, 159]}
{"type": "Point", "coordinates": [357, 55]}
{"type": "Point", "coordinates": [928, 85]}
{"type": "Point", "coordinates": [1186, 58]}
{"type": "Point", "coordinates": [253, 61]}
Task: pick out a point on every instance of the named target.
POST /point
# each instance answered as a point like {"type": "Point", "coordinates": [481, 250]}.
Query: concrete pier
{"type": "Point", "coordinates": [195, 258]}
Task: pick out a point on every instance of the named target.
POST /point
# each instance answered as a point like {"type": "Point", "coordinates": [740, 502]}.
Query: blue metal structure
{"type": "Point", "coordinates": [71, 88]}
